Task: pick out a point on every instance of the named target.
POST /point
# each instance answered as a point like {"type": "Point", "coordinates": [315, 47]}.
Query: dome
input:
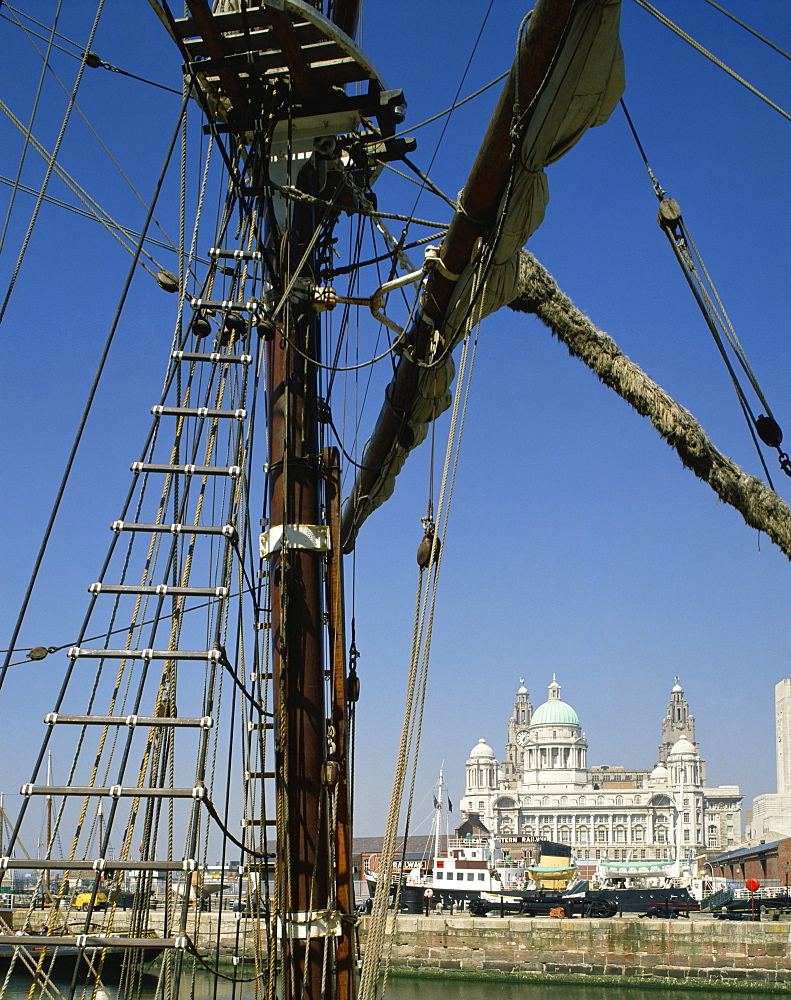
{"type": "Point", "coordinates": [481, 749]}
{"type": "Point", "coordinates": [681, 747]}
{"type": "Point", "coordinates": [554, 711]}
{"type": "Point", "coordinates": [522, 690]}
{"type": "Point", "coordinates": [677, 689]}
{"type": "Point", "coordinates": [659, 773]}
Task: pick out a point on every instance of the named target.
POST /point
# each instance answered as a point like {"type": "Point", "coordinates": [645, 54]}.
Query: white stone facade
{"type": "Point", "coordinates": [545, 788]}
{"type": "Point", "coordinates": [771, 815]}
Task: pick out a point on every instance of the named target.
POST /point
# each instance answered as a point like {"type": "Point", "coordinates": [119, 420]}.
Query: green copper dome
{"type": "Point", "coordinates": [555, 712]}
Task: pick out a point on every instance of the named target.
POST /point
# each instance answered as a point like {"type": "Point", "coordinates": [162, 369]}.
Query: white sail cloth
{"type": "Point", "coordinates": [580, 90]}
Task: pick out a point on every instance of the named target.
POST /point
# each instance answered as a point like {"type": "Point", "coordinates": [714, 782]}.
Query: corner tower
{"type": "Point", "coordinates": [518, 724]}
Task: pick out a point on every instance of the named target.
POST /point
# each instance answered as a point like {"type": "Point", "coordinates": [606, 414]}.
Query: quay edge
{"type": "Point", "coordinates": [684, 953]}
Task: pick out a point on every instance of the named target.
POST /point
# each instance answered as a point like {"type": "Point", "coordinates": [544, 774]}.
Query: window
{"type": "Point", "coordinates": [713, 840]}
{"type": "Point", "coordinates": [686, 835]}
{"type": "Point", "coordinates": [438, 874]}
{"type": "Point", "coordinates": [620, 835]}
{"type": "Point", "coordinates": [600, 800]}
{"type": "Point", "coordinates": [582, 834]}
{"type": "Point", "coordinates": [638, 834]}
{"type": "Point", "coordinates": [459, 876]}
{"type": "Point", "coordinates": [565, 834]}
{"type": "Point", "coordinates": [481, 806]}
{"type": "Point", "coordinates": [564, 801]}
{"type": "Point", "coordinates": [619, 800]}
{"type": "Point", "coordinates": [481, 877]}
{"type": "Point", "coordinates": [470, 876]}
{"type": "Point", "coordinates": [601, 835]}
{"type": "Point", "coordinates": [582, 800]}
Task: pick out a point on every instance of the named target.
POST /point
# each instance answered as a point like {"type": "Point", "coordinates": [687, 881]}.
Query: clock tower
{"type": "Point", "coordinates": [513, 765]}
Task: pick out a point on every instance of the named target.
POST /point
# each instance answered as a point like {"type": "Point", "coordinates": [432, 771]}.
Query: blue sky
{"type": "Point", "coordinates": [577, 545]}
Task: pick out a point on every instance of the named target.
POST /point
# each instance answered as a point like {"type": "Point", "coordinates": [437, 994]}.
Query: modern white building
{"type": "Point", "coordinates": [544, 788]}
{"type": "Point", "coordinates": [771, 813]}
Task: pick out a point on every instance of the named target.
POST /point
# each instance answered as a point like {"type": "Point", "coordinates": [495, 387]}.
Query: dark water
{"type": "Point", "coordinates": [426, 988]}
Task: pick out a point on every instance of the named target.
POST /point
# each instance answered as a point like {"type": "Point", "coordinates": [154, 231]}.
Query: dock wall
{"type": "Point", "coordinates": [699, 949]}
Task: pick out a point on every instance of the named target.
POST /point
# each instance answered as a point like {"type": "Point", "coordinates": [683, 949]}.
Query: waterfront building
{"type": "Point", "coordinates": [544, 788]}
{"type": "Point", "coordinates": [770, 818]}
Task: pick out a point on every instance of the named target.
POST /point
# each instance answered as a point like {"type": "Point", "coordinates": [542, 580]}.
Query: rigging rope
{"type": "Point", "coordinates": [90, 399]}
{"type": "Point", "coordinates": [33, 112]}
{"type": "Point", "coordinates": [95, 209]}
{"type": "Point", "coordinates": [760, 507]}
{"type": "Point", "coordinates": [50, 167]}
{"type": "Point", "coordinates": [714, 314]}
{"type": "Point", "coordinates": [418, 672]}
{"type": "Point", "coordinates": [709, 55]}
{"type": "Point", "coordinates": [747, 27]}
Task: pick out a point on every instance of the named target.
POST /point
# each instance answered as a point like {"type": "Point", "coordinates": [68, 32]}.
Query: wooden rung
{"type": "Point", "coordinates": [213, 358]}
{"type": "Point", "coordinates": [55, 718]}
{"type": "Point", "coordinates": [158, 590]}
{"type": "Point", "coordinates": [207, 655]}
{"type": "Point", "coordinates": [175, 529]}
{"type": "Point", "coordinates": [202, 412]}
{"type": "Point", "coordinates": [115, 791]}
{"type": "Point", "coordinates": [188, 470]}
{"type": "Point", "coordinates": [97, 865]}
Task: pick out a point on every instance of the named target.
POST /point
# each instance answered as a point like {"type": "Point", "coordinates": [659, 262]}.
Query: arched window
{"type": "Point", "coordinates": [582, 800]}
{"type": "Point", "coordinates": [620, 834]}
{"type": "Point", "coordinates": [601, 834]}
{"type": "Point", "coordinates": [638, 834]}
{"type": "Point", "coordinates": [564, 801]}
{"type": "Point", "coordinates": [583, 835]}
{"type": "Point", "coordinates": [619, 800]}
{"type": "Point", "coordinates": [600, 800]}
{"type": "Point", "coordinates": [564, 833]}
{"type": "Point", "coordinates": [545, 800]}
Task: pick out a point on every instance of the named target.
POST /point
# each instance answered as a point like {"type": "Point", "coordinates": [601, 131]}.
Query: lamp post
{"type": "Point", "coordinates": [787, 864]}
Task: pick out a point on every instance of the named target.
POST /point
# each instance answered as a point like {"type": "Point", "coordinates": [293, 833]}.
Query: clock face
{"type": "Point", "coordinates": [521, 737]}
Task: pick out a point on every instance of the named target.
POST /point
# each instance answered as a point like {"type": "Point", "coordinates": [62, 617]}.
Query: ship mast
{"type": "Point", "coordinates": [274, 78]}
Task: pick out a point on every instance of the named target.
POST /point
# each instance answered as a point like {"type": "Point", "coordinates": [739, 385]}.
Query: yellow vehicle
{"type": "Point", "coordinates": [83, 900]}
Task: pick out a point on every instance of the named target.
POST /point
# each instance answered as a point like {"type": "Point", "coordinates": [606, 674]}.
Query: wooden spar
{"type": "Point", "coordinates": [297, 622]}
{"type": "Point", "coordinates": [473, 219]}
{"type": "Point", "coordinates": [339, 737]}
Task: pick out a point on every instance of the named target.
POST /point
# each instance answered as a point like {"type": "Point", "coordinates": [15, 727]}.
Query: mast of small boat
{"type": "Point", "coordinates": [438, 809]}
{"type": "Point", "coordinates": [48, 849]}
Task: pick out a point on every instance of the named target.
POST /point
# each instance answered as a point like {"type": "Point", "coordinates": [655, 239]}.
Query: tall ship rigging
{"type": "Point", "coordinates": [215, 644]}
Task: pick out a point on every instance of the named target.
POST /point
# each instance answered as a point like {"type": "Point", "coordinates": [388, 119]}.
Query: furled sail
{"type": "Point", "coordinates": [582, 86]}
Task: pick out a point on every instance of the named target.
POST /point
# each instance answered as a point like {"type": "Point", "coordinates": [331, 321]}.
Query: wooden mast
{"type": "Point", "coordinates": [297, 622]}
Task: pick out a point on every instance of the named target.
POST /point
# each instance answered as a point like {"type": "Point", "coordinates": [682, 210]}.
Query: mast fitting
{"type": "Point", "coordinates": [312, 537]}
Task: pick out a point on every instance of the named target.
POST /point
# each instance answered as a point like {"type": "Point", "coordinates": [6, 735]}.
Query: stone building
{"type": "Point", "coordinates": [771, 813]}
{"type": "Point", "coordinates": [545, 789]}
